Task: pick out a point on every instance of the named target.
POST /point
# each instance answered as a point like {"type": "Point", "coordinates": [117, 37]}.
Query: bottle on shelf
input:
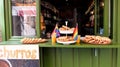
{"type": "Point", "coordinates": [78, 40]}
{"type": "Point", "coordinates": [53, 38]}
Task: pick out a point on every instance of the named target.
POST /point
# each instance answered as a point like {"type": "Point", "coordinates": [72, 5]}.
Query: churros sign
{"type": "Point", "coordinates": [19, 52]}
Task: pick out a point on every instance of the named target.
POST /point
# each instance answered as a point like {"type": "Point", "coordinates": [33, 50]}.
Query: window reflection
{"type": "Point", "coordinates": [23, 17]}
{"type": "Point", "coordinates": [100, 15]}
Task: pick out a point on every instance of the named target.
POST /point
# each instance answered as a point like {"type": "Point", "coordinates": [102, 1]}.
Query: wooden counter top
{"type": "Point", "coordinates": [56, 45]}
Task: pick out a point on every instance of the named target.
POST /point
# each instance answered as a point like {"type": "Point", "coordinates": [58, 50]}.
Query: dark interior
{"type": "Point", "coordinates": [66, 7]}
{"type": "Point", "coordinates": [74, 11]}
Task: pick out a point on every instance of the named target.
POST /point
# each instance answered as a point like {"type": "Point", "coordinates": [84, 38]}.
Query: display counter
{"type": "Point", "coordinates": [74, 55]}
{"type": "Point", "coordinates": [57, 45]}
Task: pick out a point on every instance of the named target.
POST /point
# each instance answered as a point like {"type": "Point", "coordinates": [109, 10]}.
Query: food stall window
{"type": "Point", "coordinates": [89, 14]}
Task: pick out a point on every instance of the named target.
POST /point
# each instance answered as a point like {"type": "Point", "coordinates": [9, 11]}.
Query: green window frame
{"type": "Point", "coordinates": [2, 20]}
{"type": "Point", "coordinates": [106, 18]}
{"type": "Point", "coordinates": [7, 20]}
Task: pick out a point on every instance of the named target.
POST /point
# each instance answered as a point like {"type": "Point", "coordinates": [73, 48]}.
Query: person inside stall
{"type": "Point", "coordinates": [92, 20]}
{"type": "Point", "coordinates": [89, 26]}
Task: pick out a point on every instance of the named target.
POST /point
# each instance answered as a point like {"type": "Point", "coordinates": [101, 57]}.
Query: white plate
{"type": "Point", "coordinates": [66, 32]}
{"type": "Point", "coordinates": [66, 43]}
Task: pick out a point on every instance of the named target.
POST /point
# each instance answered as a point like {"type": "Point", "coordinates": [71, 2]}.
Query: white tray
{"type": "Point", "coordinates": [66, 32]}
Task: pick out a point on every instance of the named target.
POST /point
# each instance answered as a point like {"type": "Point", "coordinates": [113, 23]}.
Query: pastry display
{"type": "Point", "coordinates": [91, 39]}
{"type": "Point", "coordinates": [33, 40]}
{"type": "Point", "coordinates": [65, 40]}
{"type": "Point", "coordinates": [65, 29]}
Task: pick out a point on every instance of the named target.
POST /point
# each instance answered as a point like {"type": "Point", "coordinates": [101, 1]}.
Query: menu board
{"type": "Point", "coordinates": [19, 56]}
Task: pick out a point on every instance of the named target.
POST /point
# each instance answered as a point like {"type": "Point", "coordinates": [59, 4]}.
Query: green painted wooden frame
{"type": "Point", "coordinates": [8, 21]}
{"type": "Point", "coordinates": [8, 27]}
{"type": "Point", "coordinates": [106, 17]}
{"type": "Point", "coordinates": [118, 21]}
{"type": "Point", "coordinates": [115, 21]}
{"type": "Point", "coordinates": [2, 20]}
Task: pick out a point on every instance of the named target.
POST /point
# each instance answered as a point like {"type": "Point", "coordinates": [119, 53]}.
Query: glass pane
{"type": "Point", "coordinates": [23, 17]}
{"type": "Point", "coordinates": [100, 15]}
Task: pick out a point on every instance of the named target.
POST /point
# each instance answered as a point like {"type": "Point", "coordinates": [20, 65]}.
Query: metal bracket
{"type": "Point", "coordinates": [95, 52]}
